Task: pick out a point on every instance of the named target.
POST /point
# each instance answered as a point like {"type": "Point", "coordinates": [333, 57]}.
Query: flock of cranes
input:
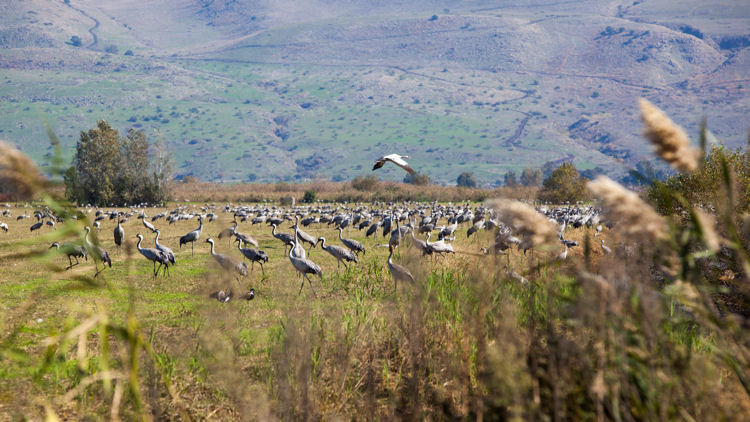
{"type": "Point", "coordinates": [413, 223]}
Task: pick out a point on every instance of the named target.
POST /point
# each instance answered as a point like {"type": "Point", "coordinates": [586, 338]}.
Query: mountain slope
{"type": "Point", "coordinates": [269, 90]}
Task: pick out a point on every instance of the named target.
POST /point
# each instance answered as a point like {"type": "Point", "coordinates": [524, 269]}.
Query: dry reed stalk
{"type": "Point", "coordinates": [633, 217]}
{"type": "Point", "coordinates": [707, 226]}
{"type": "Point", "coordinates": [534, 228]}
{"type": "Point", "coordinates": [670, 141]}
{"type": "Point", "coordinates": [19, 177]}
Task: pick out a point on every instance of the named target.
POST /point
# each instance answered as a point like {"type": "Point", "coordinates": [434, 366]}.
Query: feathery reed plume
{"type": "Point", "coordinates": [707, 227]}
{"type": "Point", "coordinates": [633, 217]}
{"type": "Point", "coordinates": [19, 177]}
{"type": "Point", "coordinates": [534, 228]}
{"type": "Point", "coordinates": [670, 141]}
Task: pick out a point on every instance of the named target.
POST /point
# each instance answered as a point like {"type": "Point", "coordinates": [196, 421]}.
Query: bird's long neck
{"type": "Point", "coordinates": [140, 239]}
{"type": "Point", "coordinates": [340, 231]}
{"type": "Point", "coordinates": [156, 241]}
{"type": "Point", "coordinates": [86, 238]}
{"type": "Point", "coordinates": [212, 248]}
{"type": "Point", "coordinates": [239, 244]}
{"type": "Point", "coordinates": [323, 242]}
{"type": "Point", "coordinates": [273, 232]}
{"type": "Point", "coordinates": [200, 224]}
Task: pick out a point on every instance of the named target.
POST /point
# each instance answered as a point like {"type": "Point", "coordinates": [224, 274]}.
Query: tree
{"type": "Point", "coordinates": [417, 179]}
{"type": "Point", "coordinates": [108, 169]}
{"type": "Point", "coordinates": [510, 179]}
{"type": "Point", "coordinates": [466, 179]}
{"type": "Point", "coordinates": [75, 40]}
{"type": "Point", "coordinates": [563, 185]}
{"type": "Point", "coordinates": [531, 177]}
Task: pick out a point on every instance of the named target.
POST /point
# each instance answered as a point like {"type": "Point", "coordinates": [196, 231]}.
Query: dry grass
{"type": "Point", "coordinates": [339, 192]}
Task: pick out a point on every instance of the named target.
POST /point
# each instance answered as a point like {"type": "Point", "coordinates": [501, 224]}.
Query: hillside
{"type": "Point", "coordinates": [284, 90]}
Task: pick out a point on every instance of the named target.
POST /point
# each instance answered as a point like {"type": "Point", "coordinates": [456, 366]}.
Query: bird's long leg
{"type": "Point", "coordinates": [311, 286]}
{"type": "Point", "coordinates": [301, 285]}
{"type": "Point", "coordinates": [70, 262]}
{"type": "Point", "coordinates": [192, 252]}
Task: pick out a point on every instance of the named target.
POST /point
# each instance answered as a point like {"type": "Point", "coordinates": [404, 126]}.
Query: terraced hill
{"type": "Point", "coordinates": [289, 90]}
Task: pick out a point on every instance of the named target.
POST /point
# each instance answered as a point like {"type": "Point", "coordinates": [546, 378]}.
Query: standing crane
{"type": "Point", "coordinates": [304, 267]}
{"type": "Point", "coordinates": [119, 235]}
{"type": "Point", "coordinates": [153, 255]}
{"type": "Point", "coordinates": [163, 249]}
{"type": "Point", "coordinates": [284, 237]}
{"type": "Point", "coordinates": [228, 263]}
{"type": "Point", "coordinates": [193, 236]}
{"type": "Point", "coordinates": [97, 253]}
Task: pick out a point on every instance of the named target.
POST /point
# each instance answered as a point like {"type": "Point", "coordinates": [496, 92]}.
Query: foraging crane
{"type": "Point", "coordinates": [254, 255]}
{"type": "Point", "coordinates": [352, 244]}
{"type": "Point", "coordinates": [97, 253]}
{"type": "Point", "coordinates": [398, 272]}
{"type": "Point", "coordinates": [304, 267]}
{"type": "Point", "coordinates": [341, 254]}
{"type": "Point", "coordinates": [119, 234]}
{"type": "Point", "coordinates": [395, 159]}
{"type": "Point", "coordinates": [228, 263]}
{"type": "Point", "coordinates": [74, 251]}
{"type": "Point", "coordinates": [246, 238]}
{"type": "Point", "coordinates": [153, 255]}
{"type": "Point", "coordinates": [163, 249]}
{"type": "Point", "coordinates": [192, 236]}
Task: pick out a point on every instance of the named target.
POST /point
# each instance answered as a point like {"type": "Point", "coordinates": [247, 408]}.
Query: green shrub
{"type": "Point", "coordinates": [417, 179]}
{"type": "Point", "coordinates": [704, 186]}
{"type": "Point", "coordinates": [310, 196]}
{"type": "Point", "coordinates": [563, 185]}
{"type": "Point", "coordinates": [466, 180]}
{"type": "Point", "coordinates": [365, 183]}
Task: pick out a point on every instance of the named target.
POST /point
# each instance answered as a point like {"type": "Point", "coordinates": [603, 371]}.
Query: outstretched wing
{"type": "Point", "coordinates": [401, 163]}
{"type": "Point", "coordinates": [379, 163]}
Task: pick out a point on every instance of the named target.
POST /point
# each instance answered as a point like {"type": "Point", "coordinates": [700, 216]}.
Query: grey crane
{"type": "Point", "coordinates": [254, 255]}
{"type": "Point", "coordinates": [228, 263]}
{"type": "Point", "coordinates": [229, 232]}
{"type": "Point", "coordinates": [352, 244]}
{"type": "Point", "coordinates": [163, 249]}
{"type": "Point", "coordinates": [36, 226]}
{"type": "Point", "coordinates": [119, 234]}
{"type": "Point", "coordinates": [97, 253]}
{"type": "Point", "coordinates": [305, 237]}
{"type": "Point", "coordinates": [419, 243]}
{"type": "Point", "coordinates": [304, 267]}
{"type": "Point", "coordinates": [341, 254]}
{"type": "Point", "coordinates": [439, 247]}
{"type": "Point", "coordinates": [146, 224]}
{"type": "Point", "coordinates": [72, 251]}
{"type": "Point", "coordinates": [246, 238]}
{"type": "Point", "coordinates": [286, 238]}
{"type": "Point", "coordinates": [154, 255]}
{"type": "Point", "coordinates": [398, 272]}
{"type": "Point", "coordinates": [192, 236]}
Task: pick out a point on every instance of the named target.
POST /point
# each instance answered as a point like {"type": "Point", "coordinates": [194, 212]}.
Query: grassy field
{"type": "Point", "coordinates": [466, 339]}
